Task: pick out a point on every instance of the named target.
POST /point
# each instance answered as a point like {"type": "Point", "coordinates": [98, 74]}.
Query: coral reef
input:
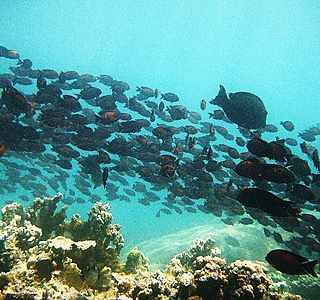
{"type": "Point", "coordinates": [45, 256]}
{"type": "Point", "coordinates": [136, 261]}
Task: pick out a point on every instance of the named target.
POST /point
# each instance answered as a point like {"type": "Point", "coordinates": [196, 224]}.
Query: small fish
{"type": "Point", "coordinates": [203, 104]}
{"type": "Point", "coordinates": [26, 63]}
{"type": "Point", "coordinates": [277, 237]}
{"type": "Point", "coordinates": [166, 211]}
{"type": "Point", "coordinates": [287, 125]}
{"type": "Point", "coordinates": [291, 263]}
{"type": "Point", "coordinates": [161, 106]}
{"type": "Point", "coordinates": [105, 174]}
{"type": "Point", "coordinates": [191, 142]}
{"type": "Point", "coordinates": [152, 116]}
{"type": "Point", "coordinates": [156, 93]}
{"type": "Point", "coordinates": [267, 232]}
{"type": "Point", "coordinates": [212, 130]}
{"type": "Point", "coordinates": [209, 153]}
{"type": "Point", "coordinates": [41, 82]}
{"type": "Point", "coordinates": [305, 148]}
{"type": "Point", "coordinates": [246, 221]}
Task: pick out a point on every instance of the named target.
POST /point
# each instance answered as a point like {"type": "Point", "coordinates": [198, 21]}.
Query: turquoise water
{"type": "Point", "coordinates": [270, 48]}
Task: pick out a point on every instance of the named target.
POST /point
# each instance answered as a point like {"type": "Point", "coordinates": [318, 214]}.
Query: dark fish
{"type": "Point", "coordinates": [276, 173]}
{"type": "Point", "coordinates": [315, 130]}
{"type": "Point", "coordinates": [161, 106]}
{"type": "Point", "coordinates": [240, 142]}
{"type": "Point", "coordinates": [105, 173]}
{"type": "Point", "coordinates": [217, 114]}
{"type": "Point", "coordinates": [87, 78]}
{"type": "Point", "coordinates": [22, 81]}
{"type": "Point", "coordinates": [106, 80]}
{"type": "Point", "coordinates": [246, 221]}
{"type": "Point", "coordinates": [266, 201]}
{"type": "Point", "coordinates": [250, 168]}
{"type": "Point", "coordinates": [171, 97]}
{"type": "Point", "coordinates": [41, 82]}
{"type": "Point", "coordinates": [89, 93]}
{"type": "Point", "coordinates": [20, 71]}
{"type": "Point", "coordinates": [11, 54]}
{"type": "Point", "coordinates": [245, 109]}
{"type": "Point", "coordinates": [209, 153]}
{"type": "Point", "coordinates": [277, 237]}
{"type": "Point", "coordinates": [291, 141]}
{"type": "Point", "coordinates": [26, 63]}
{"type": "Point", "coordinates": [273, 150]}
{"type": "Point", "coordinates": [50, 74]}
{"type": "Point", "coordinates": [291, 263]}
{"type": "Point", "coordinates": [271, 128]}
{"type": "Point", "coordinates": [305, 148]}
{"type": "Point", "coordinates": [287, 125]}
{"type": "Point", "coordinates": [277, 150]}
{"type": "Point", "coordinates": [166, 211]}
{"type": "Point", "coordinates": [203, 104]}
{"type": "Point", "coordinates": [68, 75]}
{"type": "Point", "coordinates": [307, 136]}
{"type": "Point", "coordinates": [258, 147]}
{"type": "Point", "coordinates": [178, 112]}
{"type": "Point", "coordinates": [212, 130]}
{"type": "Point", "coordinates": [15, 101]}
{"type": "Point", "coordinates": [152, 116]}
{"type": "Point", "coordinates": [267, 232]}
{"type": "Point", "coordinates": [302, 192]}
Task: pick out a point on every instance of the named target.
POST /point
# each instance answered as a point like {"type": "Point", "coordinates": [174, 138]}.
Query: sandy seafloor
{"type": "Point", "coordinates": [189, 48]}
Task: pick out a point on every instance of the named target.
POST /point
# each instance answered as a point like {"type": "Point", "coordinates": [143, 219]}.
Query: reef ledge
{"type": "Point", "coordinates": [43, 255]}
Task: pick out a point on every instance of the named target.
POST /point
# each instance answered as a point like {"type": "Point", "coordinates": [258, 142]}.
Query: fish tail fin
{"type": "Point", "coordinates": [221, 97]}
{"type": "Point", "coordinates": [309, 267]}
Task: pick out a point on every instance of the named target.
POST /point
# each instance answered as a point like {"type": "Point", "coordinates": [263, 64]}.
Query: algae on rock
{"type": "Point", "coordinates": [136, 261]}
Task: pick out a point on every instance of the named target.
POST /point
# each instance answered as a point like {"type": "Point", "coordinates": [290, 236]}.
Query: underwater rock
{"type": "Point", "coordinates": [136, 261]}
{"type": "Point", "coordinates": [12, 211]}
{"type": "Point", "coordinates": [42, 213]}
{"type": "Point", "coordinates": [44, 266]}
{"type": "Point", "coordinates": [71, 274]}
{"type": "Point", "coordinates": [6, 261]}
{"type": "Point", "coordinates": [65, 244]}
{"type": "Point", "coordinates": [247, 280]}
{"type": "Point", "coordinates": [85, 263]}
{"type": "Point", "coordinates": [153, 286]}
{"type": "Point", "coordinates": [16, 232]}
{"type": "Point", "coordinates": [99, 227]}
{"type": "Point", "coordinates": [198, 248]}
{"type": "Point", "coordinates": [210, 277]}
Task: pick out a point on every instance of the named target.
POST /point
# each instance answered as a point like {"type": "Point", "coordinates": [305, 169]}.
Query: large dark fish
{"type": "Point", "coordinates": [276, 173]}
{"type": "Point", "coordinates": [273, 150]}
{"type": "Point", "coordinates": [105, 174]}
{"type": "Point", "coordinates": [266, 201]}
{"type": "Point", "coordinates": [250, 168]}
{"type": "Point", "coordinates": [291, 263]}
{"type": "Point", "coordinates": [245, 109]}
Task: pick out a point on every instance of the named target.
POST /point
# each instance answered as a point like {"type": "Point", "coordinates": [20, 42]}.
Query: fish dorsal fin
{"type": "Point", "coordinates": [308, 266]}
{"type": "Point", "coordinates": [221, 98]}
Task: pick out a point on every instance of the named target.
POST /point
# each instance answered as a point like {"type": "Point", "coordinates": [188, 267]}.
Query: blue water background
{"type": "Point", "coordinates": [270, 48]}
